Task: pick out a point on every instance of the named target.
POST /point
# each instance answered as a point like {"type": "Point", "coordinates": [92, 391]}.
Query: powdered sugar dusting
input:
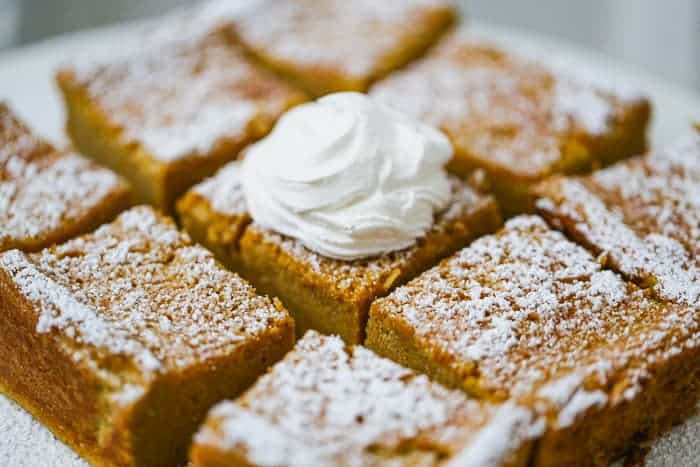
{"type": "Point", "coordinates": [501, 438]}
{"type": "Point", "coordinates": [506, 109]}
{"type": "Point", "coordinates": [643, 215]}
{"type": "Point", "coordinates": [579, 404]}
{"type": "Point", "coordinates": [326, 402]}
{"type": "Point", "coordinates": [36, 201]}
{"type": "Point", "coordinates": [41, 191]}
{"type": "Point", "coordinates": [528, 314]}
{"type": "Point", "coordinates": [139, 288]}
{"type": "Point", "coordinates": [183, 97]}
{"type": "Point", "coordinates": [352, 37]}
{"type": "Point", "coordinates": [223, 191]}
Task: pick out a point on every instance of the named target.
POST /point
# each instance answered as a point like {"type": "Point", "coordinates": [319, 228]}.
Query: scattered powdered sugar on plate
{"type": "Point", "coordinates": [25, 442]}
{"type": "Point", "coordinates": [677, 448]}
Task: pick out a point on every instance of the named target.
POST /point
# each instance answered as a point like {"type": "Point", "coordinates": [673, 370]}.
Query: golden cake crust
{"type": "Point", "coordinates": [169, 115]}
{"type": "Point", "coordinates": [642, 216]}
{"type": "Point", "coordinates": [329, 295]}
{"type": "Point", "coordinates": [527, 315]}
{"type": "Point", "coordinates": [111, 336]}
{"type": "Point", "coordinates": [47, 196]}
{"type": "Point", "coordinates": [329, 404]}
{"type": "Point", "coordinates": [515, 116]}
{"type": "Point", "coordinates": [333, 45]}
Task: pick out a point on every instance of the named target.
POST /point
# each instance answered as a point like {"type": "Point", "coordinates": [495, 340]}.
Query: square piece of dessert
{"type": "Point", "coordinates": [641, 216]}
{"type": "Point", "coordinates": [335, 405]}
{"type": "Point", "coordinates": [172, 113]}
{"type": "Point", "coordinates": [329, 295]}
{"type": "Point", "coordinates": [120, 341]}
{"type": "Point", "coordinates": [516, 117]}
{"type": "Point", "coordinates": [529, 316]}
{"type": "Point", "coordinates": [48, 196]}
{"type": "Point", "coordinates": [326, 46]}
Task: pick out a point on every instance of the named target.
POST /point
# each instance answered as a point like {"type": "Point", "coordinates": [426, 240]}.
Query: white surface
{"type": "Point", "coordinates": [26, 81]}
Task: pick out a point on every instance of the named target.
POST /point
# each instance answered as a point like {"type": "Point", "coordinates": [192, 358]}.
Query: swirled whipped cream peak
{"type": "Point", "coordinates": [348, 177]}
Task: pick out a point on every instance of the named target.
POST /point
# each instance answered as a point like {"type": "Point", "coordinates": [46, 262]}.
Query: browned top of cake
{"type": "Point", "coordinates": [351, 37]}
{"type": "Point", "coordinates": [644, 215]}
{"type": "Point", "coordinates": [41, 189]}
{"type": "Point", "coordinates": [225, 196]}
{"type": "Point", "coordinates": [328, 404]}
{"type": "Point", "coordinates": [183, 97]}
{"type": "Point", "coordinates": [137, 292]}
{"type": "Point", "coordinates": [509, 112]}
{"type": "Point", "coordinates": [528, 314]}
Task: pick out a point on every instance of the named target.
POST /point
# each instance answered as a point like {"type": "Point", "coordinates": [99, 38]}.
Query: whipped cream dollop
{"type": "Point", "coordinates": [348, 177]}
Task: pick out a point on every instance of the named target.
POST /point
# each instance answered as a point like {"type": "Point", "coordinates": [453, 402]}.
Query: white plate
{"type": "Point", "coordinates": [26, 81]}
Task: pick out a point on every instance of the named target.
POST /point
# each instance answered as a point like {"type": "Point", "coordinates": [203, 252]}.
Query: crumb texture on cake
{"type": "Point", "coordinates": [42, 191]}
{"type": "Point", "coordinates": [529, 315]}
{"type": "Point", "coordinates": [642, 216]}
{"type": "Point", "coordinates": [509, 112]}
{"type": "Point", "coordinates": [181, 97]}
{"type": "Point", "coordinates": [139, 289]}
{"type": "Point", "coordinates": [329, 404]}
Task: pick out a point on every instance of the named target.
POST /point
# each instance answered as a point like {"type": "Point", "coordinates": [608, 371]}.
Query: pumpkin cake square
{"type": "Point", "coordinates": [326, 46]}
{"type": "Point", "coordinates": [48, 196]}
{"type": "Point", "coordinates": [329, 295]}
{"type": "Point", "coordinates": [516, 116]}
{"type": "Point", "coordinates": [335, 405]}
{"type": "Point", "coordinates": [121, 340]}
{"type": "Point", "coordinates": [641, 216]}
{"type": "Point", "coordinates": [527, 315]}
{"type": "Point", "coordinates": [170, 114]}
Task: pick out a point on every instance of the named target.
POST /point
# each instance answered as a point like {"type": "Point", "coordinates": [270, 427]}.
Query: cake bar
{"type": "Point", "coordinates": [515, 116]}
{"type": "Point", "coordinates": [642, 217]}
{"type": "Point", "coordinates": [332, 405]}
{"type": "Point", "coordinates": [325, 294]}
{"type": "Point", "coordinates": [120, 341]}
{"type": "Point", "coordinates": [527, 315]}
{"type": "Point", "coordinates": [172, 113]}
{"type": "Point", "coordinates": [48, 196]}
{"type": "Point", "coordinates": [334, 45]}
